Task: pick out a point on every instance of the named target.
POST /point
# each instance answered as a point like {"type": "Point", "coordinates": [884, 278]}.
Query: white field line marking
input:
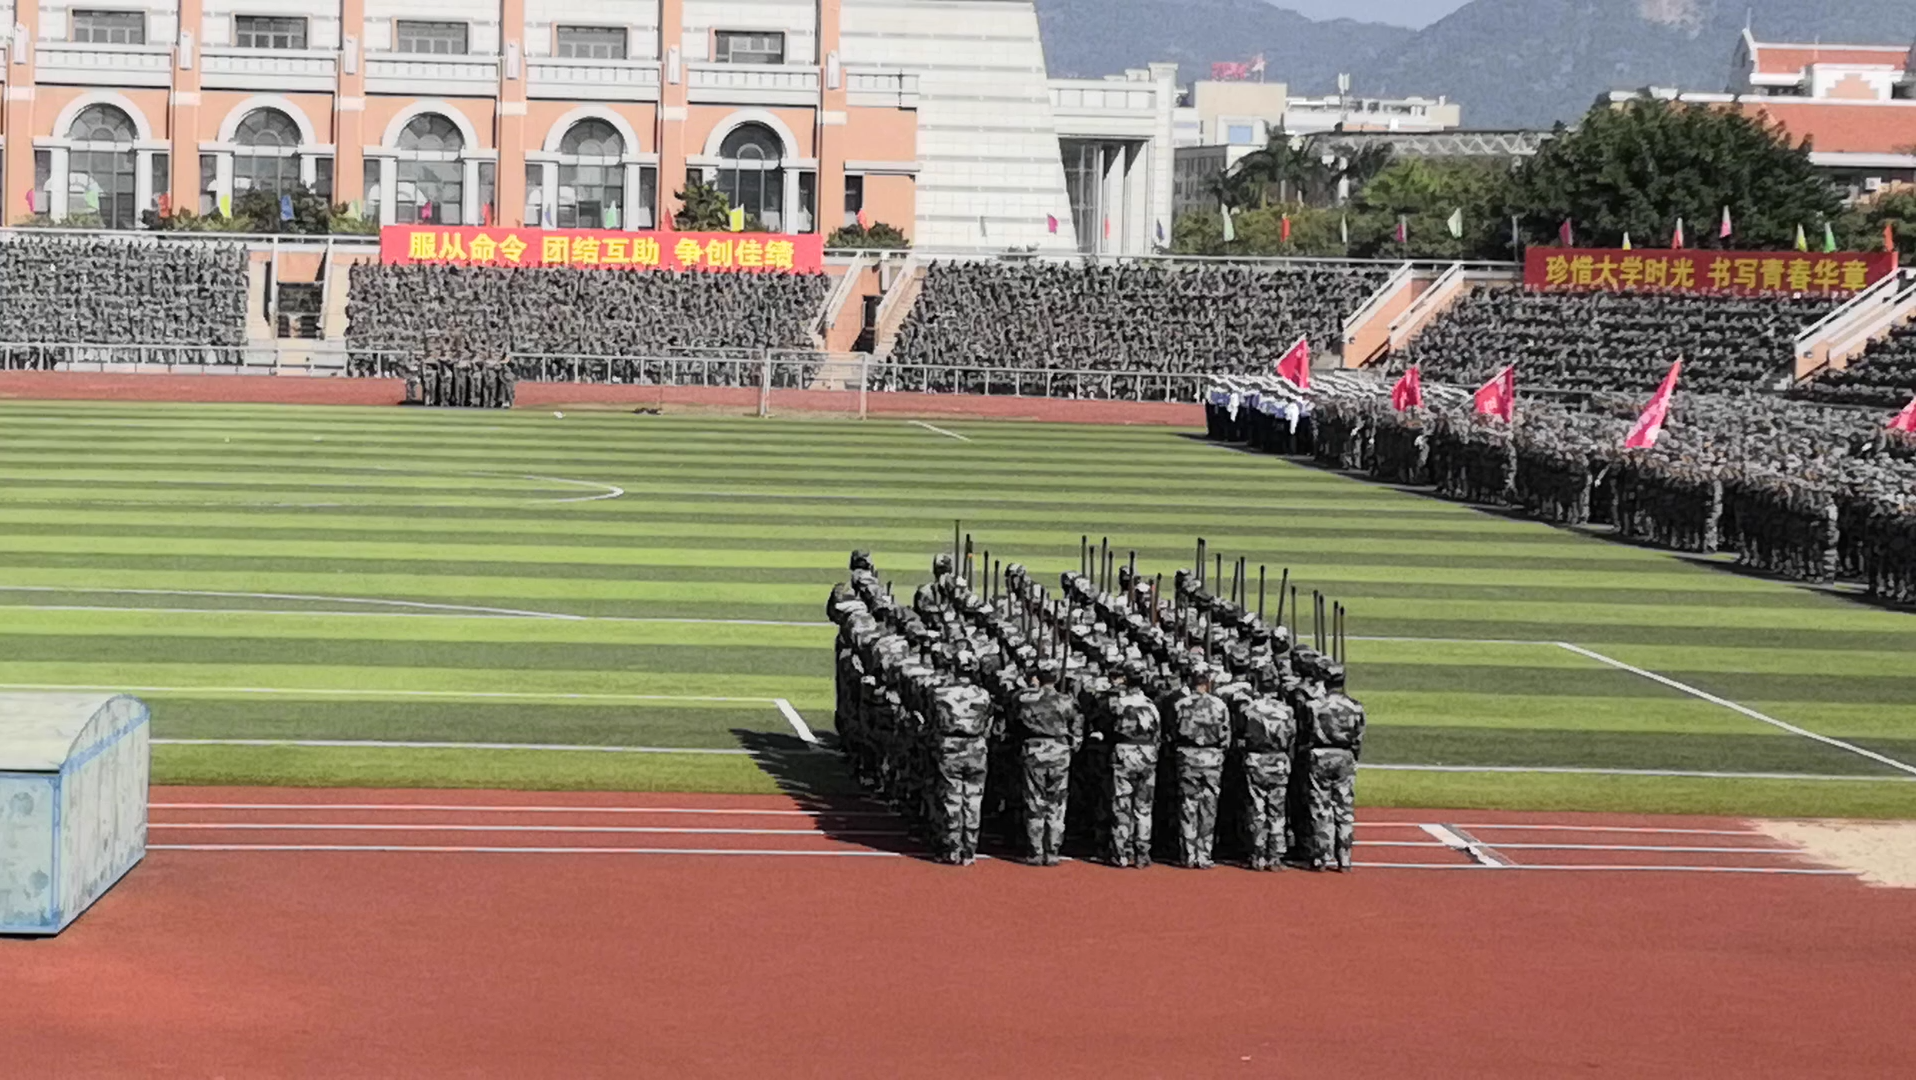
{"type": "Point", "coordinates": [1743, 709]}
{"type": "Point", "coordinates": [1478, 850]}
{"type": "Point", "coordinates": [841, 853]}
{"type": "Point", "coordinates": [1450, 838]}
{"type": "Point", "coordinates": [1652, 847]}
{"type": "Point", "coordinates": [309, 826]}
{"type": "Point", "coordinates": [441, 808]}
{"type": "Point", "coordinates": [607, 491]}
{"type": "Point", "coordinates": [379, 694]}
{"type": "Point", "coordinates": [938, 430]}
{"type": "Point", "coordinates": [370, 744]}
{"type": "Point", "coordinates": [798, 722]}
{"type": "Point", "coordinates": [1615, 829]}
{"type": "Point", "coordinates": [856, 853]}
{"type": "Point", "coordinates": [1676, 773]}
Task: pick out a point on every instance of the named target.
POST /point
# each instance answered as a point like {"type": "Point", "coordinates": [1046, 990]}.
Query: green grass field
{"type": "Point", "coordinates": [385, 576]}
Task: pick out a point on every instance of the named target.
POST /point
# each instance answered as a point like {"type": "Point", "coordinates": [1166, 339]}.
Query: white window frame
{"type": "Point", "coordinates": [399, 26]}
{"type": "Point", "coordinates": [784, 44]}
{"type": "Point", "coordinates": [625, 40]}
{"type": "Point", "coordinates": [305, 32]}
{"type": "Point", "coordinates": [73, 25]}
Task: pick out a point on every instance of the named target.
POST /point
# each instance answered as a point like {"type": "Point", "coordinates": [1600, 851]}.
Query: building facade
{"type": "Point", "coordinates": [935, 116]}
{"type": "Point", "coordinates": [1856, 104]}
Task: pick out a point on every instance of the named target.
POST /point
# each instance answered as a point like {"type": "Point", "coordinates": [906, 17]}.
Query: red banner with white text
{"type": "Point", "coordinates": [1745, 273]}
{"type": "Point", "coordinates": [607, 249]}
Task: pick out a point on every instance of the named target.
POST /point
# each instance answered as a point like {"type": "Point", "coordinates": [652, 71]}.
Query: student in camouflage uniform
{"type": "Point", "coordinates": [1049, 729]}
{"type": "Point", "coordinates": [1265, 731]}
{"type": "Point", "coordinates": [1133, 781]}
{"type": "Point", "coordinates": [1200, 738]}
{"type": "Point", "coordinates": [960, 721]}
{"type": "Point", "coordinates": [1337, 739]}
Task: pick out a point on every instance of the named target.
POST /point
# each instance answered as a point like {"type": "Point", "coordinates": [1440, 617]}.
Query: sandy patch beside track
{"type": "Point", "coordinates": [1883, 852]}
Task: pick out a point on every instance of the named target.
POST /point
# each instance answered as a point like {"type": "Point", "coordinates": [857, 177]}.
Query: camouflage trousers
{"type": "Point", "coordinates": [1200, 771]}
{"type": "Point", "coordinates": [1333, 822]}
{"type": "Point", "coordinates": [959, 797]}
{"type": "Point", "coordinates": [1266, 780]}
{"type": "Point", "coordinates": [1044, 767]}
{"type": "Point", "coordinates": [1134, 785]}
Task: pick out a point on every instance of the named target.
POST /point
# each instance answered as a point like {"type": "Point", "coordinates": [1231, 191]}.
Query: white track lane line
{"type": "Point", "coordinates": [802, 729]}
{"type": "Point", "coordinates": [452, 849]}
{"type": "Point", "coordinates": [473, 808]}
{"type": "Point", "coordinates": [1665, 773]}
{"type": "Point", "coordinates": [664, 830]}
{"type": "Point", "coordinates": [1652, 847]}
{"type": "Point", "coordinates": [1615, 829]}
{"type": "Point", "coordinates": [938, 430]}
{"type": "Point", "coordinates": [1744, 709]}
{"type": "Point", "coordinates": [369, 744]}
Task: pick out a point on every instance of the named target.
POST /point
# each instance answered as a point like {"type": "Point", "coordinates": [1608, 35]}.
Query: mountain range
{"type": "Point", "coordinates": [1511, 63]}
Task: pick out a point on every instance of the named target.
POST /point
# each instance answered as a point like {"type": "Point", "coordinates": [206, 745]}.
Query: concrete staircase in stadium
{"type": "Point", "coordinates": [1868, 317]}
{"type": "Point", "coordinates": [900, 298]}
{"type": "Point", "coordinates": [1413, 298]}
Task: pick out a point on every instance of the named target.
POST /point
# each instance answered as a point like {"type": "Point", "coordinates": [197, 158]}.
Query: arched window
{"type": "Point", "coordinates": [431, 178]}
{"type": "Point", "coordinates": [752, 175]}
{"type": "Point", "coordinates": [268, 158]}
{"type": "Point", "coordinates": [591, 177]}
{"type": "Point", "coordinates": [100, 166]}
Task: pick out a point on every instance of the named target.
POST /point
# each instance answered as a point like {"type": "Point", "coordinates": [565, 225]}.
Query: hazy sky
{"type": "Point", "coordinates": [1400, 12]}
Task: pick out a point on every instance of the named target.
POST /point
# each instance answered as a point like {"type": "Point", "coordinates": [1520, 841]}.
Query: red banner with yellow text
{"type": "Point", "coordinates": [1745, 273]}
{"type": "Point", "coordinates": [605, 249]}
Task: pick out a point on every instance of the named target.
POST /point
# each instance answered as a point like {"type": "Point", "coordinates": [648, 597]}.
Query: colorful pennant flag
{"type": "Point", "coordinates": [1230, 227]}
{"type": "Point", "coordinates": [1650, 425]}
{"type": "Point", "coordinates": [865, 219]}
{"type": "Point", "coordinates": [286, 208]}
{"type": "Point", "coordinates": [1408, 393]}
{"type": "Point", "coordinates": [1905, 421]}
{"type": "Point", "coordinates": [1829, 238]}
{"type": "Point", "coordinates": [93, 198]}
{"type": "Point", "coordinates": [1498, 397]}
{"type": "Point", "coordinates": [1726, 230]}
{"type": "Point", "coordinates": [1456, 223]}
{"type": "Point", "coordinates": [1567, 234]}
{"type": "Point", "coordinates": [1627, 246]}
{"type": "Point", "coordinates": [1284, 230]}
{"type": "Point", "coordinates": [1160, 232]}
{"type": "Point", "coordinates": [1889, 236]}
{"type": "Point", "coordinates": [1403, 229]}
{"type": "Point", "coordinates": [164, 202]}
{"type": "Point", "coordinates": [1802, 241]}
{"type": "Point", "coordinates": [1295, 364]}
{"type": "Point", "coordinates": [226, 206]}
{"type": "Point", "coordinates": [1676, 238]}
{"type": "Point", "coordinates": [485, 215]}
{"type": "Point", "coordinates": [1344, 229]}
{"type": "Point", "coordinates": [737, 220]}
{"type": "Point", "coordinates": [1051, 223]}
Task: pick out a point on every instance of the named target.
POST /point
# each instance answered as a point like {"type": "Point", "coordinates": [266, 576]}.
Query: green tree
{"type": "Point", "coordinates": [855, 237]}
{"type": "Point", "coordinates": [704, 208]}
{"type": "Point", "coordinates": [1425, 193]}
{"type": "Point", "coordinates": [1638, 168]}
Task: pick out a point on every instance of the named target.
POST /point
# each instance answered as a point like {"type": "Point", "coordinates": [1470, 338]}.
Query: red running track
{"type": "Point", "coordinates": [415, 963]}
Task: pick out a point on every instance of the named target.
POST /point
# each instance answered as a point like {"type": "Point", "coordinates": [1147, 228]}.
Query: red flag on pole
{"type": "Point", "coordinates": [864, 219]}
{"type": "Point", "coordinates": [1498, 397]}
{"type": "Point", "coordinates": [1408, 394]}
{"type": "Point", "coordinates": [1285, 235]}
{"type": "Point", "coordinates": [1650, 424]}
{"type": "Point", "coordinates": [1567, 234]}
{"type": "Point", "coordinates": [1295, 365]}
{"type": "Point", "coordinates": [1725, 230]}
{"type": "Point", "coordinates": [1905, 421]}
{"type": "Point", "coordinates": [1051, 223]}
{"type": "Point", "coordinates": [1676, 238]}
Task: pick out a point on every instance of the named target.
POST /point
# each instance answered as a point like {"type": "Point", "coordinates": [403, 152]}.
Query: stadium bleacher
{"type": "Point", "coordinates": [1884, 376]}
{"type": "Point", "coordinates": [481, 313]}
{"type": "Point", "coordinates": [66, 291]}
{"type": "Point", "coordinates": [1615, 341]}
{"type": "Point", "coordinates": [1142, 319]}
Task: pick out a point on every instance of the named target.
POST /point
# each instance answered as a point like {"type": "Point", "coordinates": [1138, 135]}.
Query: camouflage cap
{"type": "Point", "coordinates": [862, 560]}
